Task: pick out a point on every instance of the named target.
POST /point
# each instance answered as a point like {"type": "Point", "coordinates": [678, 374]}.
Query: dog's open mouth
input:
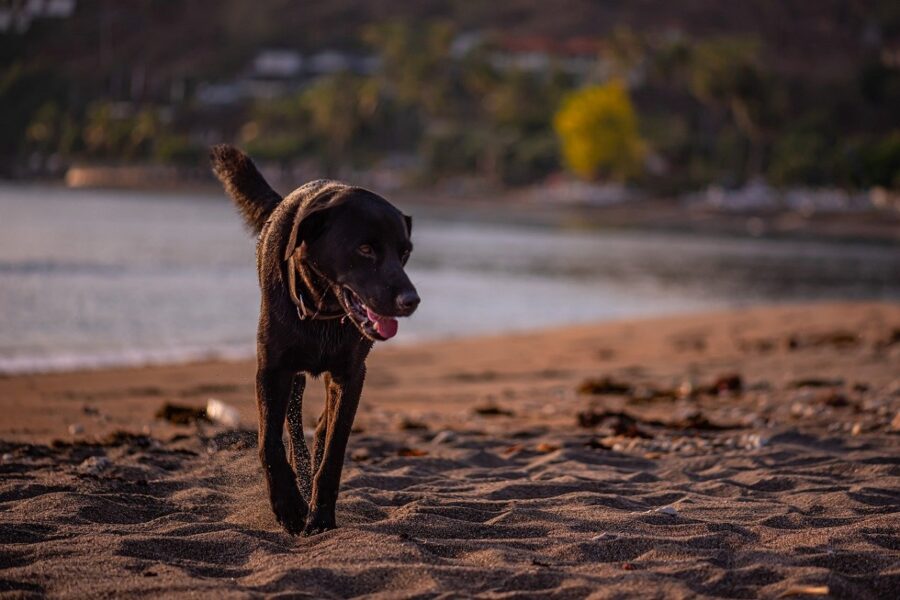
{"type": "Point", "coordinates": [373, 325]}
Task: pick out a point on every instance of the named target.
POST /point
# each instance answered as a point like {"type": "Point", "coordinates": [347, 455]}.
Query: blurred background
{"type": "Point", "coordinates": [564, 161]}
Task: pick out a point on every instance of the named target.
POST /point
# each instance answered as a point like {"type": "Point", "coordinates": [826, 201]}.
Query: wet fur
{"type": "Point", "coordinates": [303, 489]}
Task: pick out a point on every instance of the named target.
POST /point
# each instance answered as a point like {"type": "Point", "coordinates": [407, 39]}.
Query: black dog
{"type": "Point", "coordinates": [330, 260]}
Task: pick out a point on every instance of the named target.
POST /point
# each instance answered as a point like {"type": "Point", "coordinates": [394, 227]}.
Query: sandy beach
{"type": "Point", "coordinates": [742, 454]}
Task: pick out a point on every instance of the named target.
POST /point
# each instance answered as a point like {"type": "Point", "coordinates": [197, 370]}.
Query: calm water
{"type": "Point", "coordinates": [90, 278]}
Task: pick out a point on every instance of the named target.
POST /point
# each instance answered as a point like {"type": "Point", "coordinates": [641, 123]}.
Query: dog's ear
{"type": "Point", "coordinates": [408, 220]}
{"type": "Point", "coordinates": [311, 220]}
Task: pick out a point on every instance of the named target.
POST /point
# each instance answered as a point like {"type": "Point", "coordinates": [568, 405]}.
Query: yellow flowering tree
{"type": "Point", "coordinates": [598, 132]}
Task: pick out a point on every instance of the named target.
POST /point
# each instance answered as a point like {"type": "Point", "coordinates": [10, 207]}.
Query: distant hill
{"type": "Point", "coordinates": [106, 39]}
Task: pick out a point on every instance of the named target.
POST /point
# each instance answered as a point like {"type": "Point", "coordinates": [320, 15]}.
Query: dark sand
{"type": "Point", "coordinates": [481, 470]}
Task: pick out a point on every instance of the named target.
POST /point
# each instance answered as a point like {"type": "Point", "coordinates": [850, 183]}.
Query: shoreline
{"type": "Point", "coordinates": [138, 385]}
{"type": "Point", "coordinates": [519, 207]}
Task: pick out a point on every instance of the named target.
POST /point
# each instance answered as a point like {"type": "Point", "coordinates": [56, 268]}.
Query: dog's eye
{"type": "Point", "coordinates": [366, 250]}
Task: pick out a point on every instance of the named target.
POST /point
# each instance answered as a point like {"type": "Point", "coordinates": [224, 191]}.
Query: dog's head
{"type": "Point", "coordinates": [360, 243]}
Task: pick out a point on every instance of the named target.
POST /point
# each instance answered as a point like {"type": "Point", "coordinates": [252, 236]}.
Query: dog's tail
{"type": "Point", "coordinates": [243, 183]}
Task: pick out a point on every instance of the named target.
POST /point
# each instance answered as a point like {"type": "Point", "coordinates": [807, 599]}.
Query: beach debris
{"type": "Point", "coordinates": [836, 339]}
{"type": "Point", "coordinates": [689, 343]}
{"type": "Point", "coordinates": [361, 455]}
{"type": "Point", "coordinates": [179, 414]}
{"type": "Point", "coordinates": [475, 377]}
{"type": "Point", "coordinates": [686, 389]}
{"type": "Point", "coordinates": [407, 424]}
{"type": "Point", "coordinates": [758, 345]}
{"type": "Point", "coordinates": [604, 386]}
{"type": "Point", "coordinates": [607, 443]}
{"type": "Point", "coordinates": [665, 510]}
{"type": "Point", "coordinates": [444, 437]}
{"type": "Point", "coordinates": [730, 382]}
{"type": "Point", "coordinates": [892, 338]}
{"type": "Point", "coordinates": [625, 426]}
{"type": "Point", "coordinates": [94, 465]}
{"type": "Point", "coordinates": [546, 448]}
{"type": "Point", "coordinates": [799, 410]}
{"type": "Point", "coordinates": [628, 566]}
{"type": "Point", "coordinates": [856, 429]}
{"type": "Point", "coordinates": [646, 393]}
{"type": "Point", "coordinates": [591, 418]}
{"type": "Point", "coordinates": [411, 452]}
{"type": "Point", "coordinates": [696, 420]}
{"type": "Point", "coordinates": [120, 437]}
{"type": "Point", "coordinates": [895, 422]}
{"type": "Point", "coordinates": [222, 413]}
{"type": "Point", "coordinates": [833, 398]}
{"type": "Point", "coordinates": [605, 536]}
{"type": "Point", "coordinates": [492, 410]}
{"type": "Point", "coordinates": [805, 590]}
{"type": "Point", "coordinates": [605, 353]}
{"type": "Point", "coordinates": [6, 458]}
{"type": "Point", "coordinates": [76, 428]}
{"type": "Point", "coordinates": [816, 382]}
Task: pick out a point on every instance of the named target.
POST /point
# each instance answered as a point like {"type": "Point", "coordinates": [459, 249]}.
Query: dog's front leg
{"type": "Point", "coordinates": [343, 398]}
{"type": "Point", "coordinates": [273, 390]}
{"type": "Point", "coordinates": [300, 459]}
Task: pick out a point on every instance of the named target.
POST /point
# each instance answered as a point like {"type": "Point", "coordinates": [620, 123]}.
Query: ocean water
{"type": "Point", "coordinates": [101, 278]}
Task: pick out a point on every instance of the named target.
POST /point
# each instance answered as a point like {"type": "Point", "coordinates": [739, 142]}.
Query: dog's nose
{"type": "Point", "coordinates": [408, 301]}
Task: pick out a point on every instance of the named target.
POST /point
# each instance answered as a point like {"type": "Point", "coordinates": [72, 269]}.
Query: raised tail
{"type": "Point", "coordinates": [243, 183]}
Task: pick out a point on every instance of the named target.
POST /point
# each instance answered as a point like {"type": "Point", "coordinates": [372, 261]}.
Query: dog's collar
{"type": "Point", "coordinates": [319, 310]}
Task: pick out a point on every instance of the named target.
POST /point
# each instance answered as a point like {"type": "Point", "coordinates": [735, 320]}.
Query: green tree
{"type": "Point", "coordinates": [416, 64]}
{"type": "Point", "coordinates": [727, 74]}
{"type": "Point", "coordinates": [598, 132]}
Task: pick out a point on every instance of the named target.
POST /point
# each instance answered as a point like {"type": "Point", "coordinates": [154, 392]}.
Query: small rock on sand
{"type": "Point", "coordinates": [94, 465]}
{"type": "Point", "coordinates": [443, 437]}
{"type": "Point", "coordinates": [665, 510]}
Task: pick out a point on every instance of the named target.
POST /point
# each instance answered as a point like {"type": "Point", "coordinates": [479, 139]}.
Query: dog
{"type": "Point", "coordinates": [331, 260]}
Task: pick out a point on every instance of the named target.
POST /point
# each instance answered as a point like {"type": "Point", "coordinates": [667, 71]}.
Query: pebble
{"type": "Point", "coordinates": [6, 458]}
{"type": "Point", "coordinates": [443, 437]}
{"type": "Point", "coordinates": [895, 424]}
{"type": "Point", "coordinates": [75, 429]}
{"type": "Point", "coordinates": [94, 465]}
{"type": "Point", "coordinates": [666, 510]}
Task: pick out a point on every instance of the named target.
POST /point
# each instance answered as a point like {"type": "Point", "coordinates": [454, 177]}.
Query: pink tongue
{"type": "Point", "coordinates": [386, 326]}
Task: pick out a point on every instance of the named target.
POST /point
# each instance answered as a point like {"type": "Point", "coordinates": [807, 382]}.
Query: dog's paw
{"type": "Point", "coordinates": [319, 521]}
{"type": "Point", "coordinates": [292, 521]}
{"type": "Point", "coordinates": [290, 511]}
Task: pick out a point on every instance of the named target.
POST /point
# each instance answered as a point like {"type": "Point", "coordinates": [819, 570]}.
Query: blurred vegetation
{"type": "Point", "coordinates": [599, 132]}
{"type": "Point", "coordinates": [666, 113]}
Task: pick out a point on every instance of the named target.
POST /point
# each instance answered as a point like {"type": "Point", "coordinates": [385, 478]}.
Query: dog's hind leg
{"type": "Point", "coordinates": [343, 398]}
{"type": "Point", "coordinates": [273, 390]}
{"type": "Point", "coordinates": [300, 458]}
